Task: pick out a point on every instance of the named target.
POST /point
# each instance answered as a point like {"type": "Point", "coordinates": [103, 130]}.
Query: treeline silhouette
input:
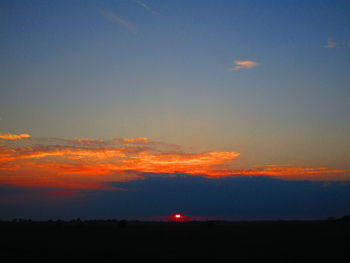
{"type": "Point", "coordinates": [78, 220]}
{"type": "Point", "coordinates": [218, 241]}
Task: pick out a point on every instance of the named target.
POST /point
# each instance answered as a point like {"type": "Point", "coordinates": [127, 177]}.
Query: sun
{"type": "Point", "coordinates": [178, 216]}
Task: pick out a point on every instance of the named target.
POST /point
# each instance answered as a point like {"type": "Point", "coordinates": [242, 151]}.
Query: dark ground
{"type": "Point", "coordinates": [119, 241]}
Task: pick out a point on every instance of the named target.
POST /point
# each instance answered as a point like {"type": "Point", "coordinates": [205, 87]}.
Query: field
{"type": "Point", "coordinates": [122, 241]}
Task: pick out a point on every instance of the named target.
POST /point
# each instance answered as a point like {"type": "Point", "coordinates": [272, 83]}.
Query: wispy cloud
{"type": "Point", "coordinates": [117, 20]}
{"type": "Point", "coordinates": [291, 173]}
{"type": "Point", "coordinates": [244, 64]}
{"type": "Point", "coordinates": [143, 5]}
{"type": "Point", "coordinates": [330, 43]}
{"type": "Point", "coordinates": [10, 136]}
{"type": "Point", "coordinates": [134, 140]}
{"type": "Point", "coordinates": [85, 141]}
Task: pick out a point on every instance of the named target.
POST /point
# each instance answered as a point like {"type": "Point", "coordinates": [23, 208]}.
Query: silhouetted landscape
{"type": "Point", "coordinates": [218, 241]}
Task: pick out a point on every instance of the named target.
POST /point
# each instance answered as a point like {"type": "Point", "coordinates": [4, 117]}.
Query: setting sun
{"type": "Point", "coordinates": [179, 217]}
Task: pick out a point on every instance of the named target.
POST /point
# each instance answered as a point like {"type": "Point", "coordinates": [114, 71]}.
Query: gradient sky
{"type": "Point", "coordinates": [142, 108]}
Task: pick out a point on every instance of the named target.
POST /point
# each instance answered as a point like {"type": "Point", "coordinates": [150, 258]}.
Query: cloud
{"type": "Point", "coordinates": [143, 5]}
{"type": "Point", "coordinates": [333, 44]}
{"type": "Point", "coordinates": [117, 20]}
{"type": "Point", "coordinates": [330, 43]}
{"type": "Point", "coordinates": [107, 160]}
{"type": "Point", "coordinates": [85, 141]}
{"type": "Point", "coordinates": [135, 140]}
{"type": "Point", "coordinates": [9, 136]}
{"type": "Point", "coordinates": [95, 164]}
{"type": "Point", "coordinates": [244, 64]}
{"type": "Point", "coordinates": [292, 173]}
{"type": "Point", "coordinates": [86, 163]}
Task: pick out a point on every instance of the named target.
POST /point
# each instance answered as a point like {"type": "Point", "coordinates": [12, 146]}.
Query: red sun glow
{"type": "Point", "coordinates": [177, 215]}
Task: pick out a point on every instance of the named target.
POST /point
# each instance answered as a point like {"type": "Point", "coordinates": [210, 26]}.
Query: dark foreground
{"type": "Point", "coordinates": [116, 241]}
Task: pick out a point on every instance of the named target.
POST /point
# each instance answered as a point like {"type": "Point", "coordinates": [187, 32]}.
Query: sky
{"type": "Point", "coordinates": [142, 108]}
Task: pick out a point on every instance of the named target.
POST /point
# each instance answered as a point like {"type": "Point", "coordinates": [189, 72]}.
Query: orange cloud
{"type": "Point", "coordinates": [135, 140]}
{"type": "Point", "coordinates": [94, 164]}
{"type": "Point", "coordinates": [244, 64]}
{"type": "Point", "coordinates": [200, 163]}
{"type": "Point", "coordinates": [290, 173]}
{"type": "Point", "coordinates": [85, 141]}
{"type": "Point", "coordinates": [65, 152]}
{"type": "Point", "coordinates": [10, 136]}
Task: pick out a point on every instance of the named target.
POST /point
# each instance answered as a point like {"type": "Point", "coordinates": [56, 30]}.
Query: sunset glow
{"type": "Point", "coordinates": [93, 165]}
{"type": "Point", "coordinates": [14, 136]}
{"type": "Point", "coordinates": [178, 217]}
